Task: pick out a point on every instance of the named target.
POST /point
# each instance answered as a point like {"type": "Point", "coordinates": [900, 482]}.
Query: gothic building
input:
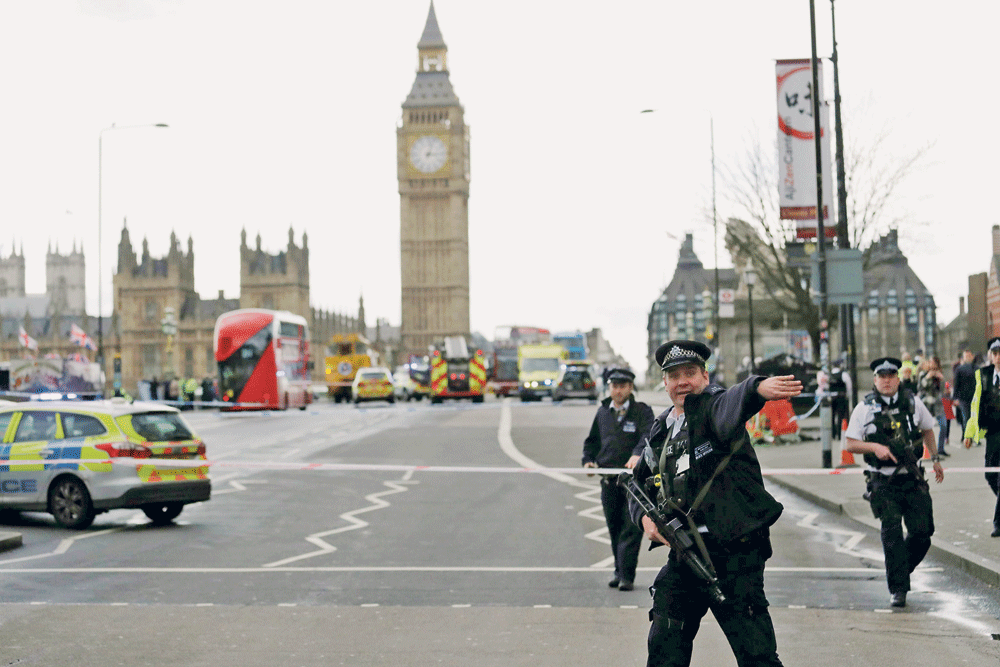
{"type": "Point", "coordinates": [433, 171]}
{"type": "Point", "coordinates": [45, 317]}
{"type": "Point", "coordinates": [145, 286]}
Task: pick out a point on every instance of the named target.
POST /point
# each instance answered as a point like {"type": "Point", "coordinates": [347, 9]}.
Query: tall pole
{"type": "Point", "coordinates": [100, 273]}
{"type": "Point", "coordinates": [715, 237]}
{"type": "Point", "coordinates": [847, 310]}
{"type": "Point", "coordinates": [100, 226]}
{"type": "Point", "coordinates": [753, 362]}
{"type": "Point", "coordinates": [824, 344]}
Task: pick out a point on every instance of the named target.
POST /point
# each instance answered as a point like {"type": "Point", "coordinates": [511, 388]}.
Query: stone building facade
{"type": "Point", "coordinates": [45, 317]}
{"type": "Point", "coordinates": [433, 171]}
{"type": "Point", "coordinates": [144, 287]}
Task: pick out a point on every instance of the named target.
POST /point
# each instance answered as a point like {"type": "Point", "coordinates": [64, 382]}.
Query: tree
{"type": "Point", "coordinates": [758, 235]}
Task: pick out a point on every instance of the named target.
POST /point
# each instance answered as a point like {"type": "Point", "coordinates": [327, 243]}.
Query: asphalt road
{"type": "Point", "coordinates": [379, 567]}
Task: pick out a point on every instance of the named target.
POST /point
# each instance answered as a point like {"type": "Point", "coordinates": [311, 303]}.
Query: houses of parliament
{"type": "Point", "coordinates": [143, 288]}
{"type": "Point", "coordinates": [433, 169]}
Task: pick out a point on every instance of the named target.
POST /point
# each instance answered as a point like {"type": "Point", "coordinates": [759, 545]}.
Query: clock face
{"type": "Point", "coordinates": [428, 154]}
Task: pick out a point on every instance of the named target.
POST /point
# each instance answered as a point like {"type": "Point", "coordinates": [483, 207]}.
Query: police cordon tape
{"type": "Point", "coordinates": [390, 467]}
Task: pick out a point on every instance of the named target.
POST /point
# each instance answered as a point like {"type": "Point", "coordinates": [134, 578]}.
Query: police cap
{"type": "Point", "coordinates": [886, 365]}
{"type": "Point", "coordinates": [679, 352]}
{"type": "Point", "coordinates": [993, 344]}
{"type": "Point", "coordinates": [621, 375]}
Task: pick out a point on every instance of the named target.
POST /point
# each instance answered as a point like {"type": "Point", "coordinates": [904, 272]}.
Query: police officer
{"type": "Point", "coordinates": [891, 428]}
{"type": "Point", "coordinates": [699, 454]}
{"type": "Point", "coordinates": [984, 421]}
{"type": "Point", "coordinates": [616, 441]}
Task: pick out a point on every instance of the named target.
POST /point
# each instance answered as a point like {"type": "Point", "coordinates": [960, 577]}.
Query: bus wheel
{"type": "Point", "coordinates": [162, 513]}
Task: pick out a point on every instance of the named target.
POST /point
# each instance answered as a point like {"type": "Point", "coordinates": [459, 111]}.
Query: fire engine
{"type": "Point", "coordinates": [456, 372]}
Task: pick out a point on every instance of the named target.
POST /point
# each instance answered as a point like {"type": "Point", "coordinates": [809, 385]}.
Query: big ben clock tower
{"type": "Point", "coordinates": [432, 147]}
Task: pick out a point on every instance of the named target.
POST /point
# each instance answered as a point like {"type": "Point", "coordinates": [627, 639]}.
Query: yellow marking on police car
{"type": "Point", "coordinates": [150, 473]}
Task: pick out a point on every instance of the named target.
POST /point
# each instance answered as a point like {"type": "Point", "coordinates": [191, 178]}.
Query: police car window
{"type": "Point", "coordinates": [4, 423]}
{"type": "Point", "coordinates": [81, 426]}
{"type": "Point", "coordinates": [161, 427]}
{"type": "Point", "coordinates": [36, 425]}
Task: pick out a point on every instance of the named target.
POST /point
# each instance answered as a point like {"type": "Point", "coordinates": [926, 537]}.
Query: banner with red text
{"type": "Point", "coordinates": [797, 149]}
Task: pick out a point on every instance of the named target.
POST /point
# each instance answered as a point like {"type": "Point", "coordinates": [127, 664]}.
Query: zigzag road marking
{"type": "Point", "coordinates": [590, 490]}
{"type": "Point", "coordinates": [63, 546]}
{"type": "Point", "coordinates": [354, 523]}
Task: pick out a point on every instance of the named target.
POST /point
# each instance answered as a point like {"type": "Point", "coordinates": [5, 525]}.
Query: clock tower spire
{"type": "Point", "coordinates": [432, 155]}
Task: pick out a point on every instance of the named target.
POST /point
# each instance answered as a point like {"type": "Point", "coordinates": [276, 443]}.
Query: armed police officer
{"type": "Point", "coordinates": [698, 463]}
{"type": "Point", "coordinates": [615, 441]}
{"type": "Point", "coordinates": [984, 421]}
{"type": "Point", "coordinates": [892, 429]}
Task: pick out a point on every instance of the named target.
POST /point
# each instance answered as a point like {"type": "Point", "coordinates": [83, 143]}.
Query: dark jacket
{"type": "Point", "coordinates": [965, 383]}
{"type": "Point", "coordinates": [736, 504]}
{"type": "Point", "coordinates": [610, 442]}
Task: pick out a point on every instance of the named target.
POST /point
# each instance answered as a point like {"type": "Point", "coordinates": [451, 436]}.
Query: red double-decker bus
{"type": "Point", "coordinates": [263, 358]}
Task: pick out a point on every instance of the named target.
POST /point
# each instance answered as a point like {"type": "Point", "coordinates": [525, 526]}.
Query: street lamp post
{"type": "Point", "coordinates": [750, 277]}
{"type": "Point", "coordinates": [100, 194]}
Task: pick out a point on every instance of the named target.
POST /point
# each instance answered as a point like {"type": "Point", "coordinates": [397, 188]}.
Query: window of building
{"type": "Point", "coordinates": [152, 310]}
{"type": "Point", "coordinates": [188, 361]}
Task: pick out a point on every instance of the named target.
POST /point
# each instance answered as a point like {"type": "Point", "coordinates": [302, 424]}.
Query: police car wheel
{"type": "Point", "coordinates": [70, 504]}
{"type": "Point", "coordinates": [162, 513]}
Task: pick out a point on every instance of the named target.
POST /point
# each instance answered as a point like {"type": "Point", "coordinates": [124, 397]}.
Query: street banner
{"type": "Point", "coordinates": [797, 149]}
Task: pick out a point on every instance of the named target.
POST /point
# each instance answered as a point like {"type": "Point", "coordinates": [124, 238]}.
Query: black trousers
{"type": "Point", "coordinates": [895, 501]}
{"type": "Point", "coordinates": [680, 601]}
{"type": "Point", "coordinates": [992, 478]}
{"type": "Point", "coordinates": [626, 537]}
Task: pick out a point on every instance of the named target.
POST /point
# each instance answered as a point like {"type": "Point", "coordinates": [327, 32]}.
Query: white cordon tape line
{"type": "Point", "coordinates": [284, 465]}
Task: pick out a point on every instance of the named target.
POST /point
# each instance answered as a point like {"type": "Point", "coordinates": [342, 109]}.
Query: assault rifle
{"type": "Point", "coordinates": [902, 449]}
{"type": "Point", "coordinates": [675, 534]}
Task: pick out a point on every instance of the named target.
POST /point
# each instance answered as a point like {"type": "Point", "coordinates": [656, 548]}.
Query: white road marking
{"type": "Point", "coordinates": [864, 571]}
{"type": "Point", "coordinates": [63, 546]}
{"type": "Point", "coordinates": [591, 490]}
{"type": "Point", "coordinates": [354, 523]}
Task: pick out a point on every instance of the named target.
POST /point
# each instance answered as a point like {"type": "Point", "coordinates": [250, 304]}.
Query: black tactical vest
{"type": "Point", "coordinates": [894, 427]}
{"type": "Point", "coordinates": [989, 401]}
{"type": "Point", "coordinates": [671, 463]}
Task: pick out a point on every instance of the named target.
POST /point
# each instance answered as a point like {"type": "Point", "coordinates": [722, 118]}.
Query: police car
{"type": "Point", "coordinates": [373, 384]}
{"type": "Point", "coordinates": [97, 451]}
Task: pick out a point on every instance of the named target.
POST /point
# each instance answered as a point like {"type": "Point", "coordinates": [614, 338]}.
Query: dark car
{"type": "Point", "coordinates": [788, 364]}
{"type": "Point", "coordinates": [575, 382]}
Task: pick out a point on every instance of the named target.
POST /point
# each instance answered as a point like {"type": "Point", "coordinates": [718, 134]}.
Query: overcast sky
{"type": "Point", "coordinates": [284, 114]}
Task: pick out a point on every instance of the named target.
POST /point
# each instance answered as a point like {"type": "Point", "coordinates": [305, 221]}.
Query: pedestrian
{"type": "Point", "coordinates": [984, 421]}
{"type": "Point", "coordinates": [207, 390]}
{"type": "Point", "coordinates": [906, 379]}
{"type": "Point", "coordinates": [699, 455]}
{"type": "Point", "coordinates": [616, 439]}
{"type": "Point", "coordinates": [965, 388]}
{"type": "Point", "coordinates": [154, 389]}
{"type": "Point", "coordinates": [930, 386]}
{"type": "Point", "coordinates": [891, 428]}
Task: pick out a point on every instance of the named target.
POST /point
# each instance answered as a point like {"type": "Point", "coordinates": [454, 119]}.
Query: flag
{"type": "Point", "coordinates": [26, 340]}
{"type": "Point", "coordinates": [80, 337]}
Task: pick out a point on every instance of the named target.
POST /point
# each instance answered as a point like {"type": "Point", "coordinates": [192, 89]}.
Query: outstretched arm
{"type": "Point", "coordinates": [778, 387]}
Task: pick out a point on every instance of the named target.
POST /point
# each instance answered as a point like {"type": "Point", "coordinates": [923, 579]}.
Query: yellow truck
{"type": "Point", "coordinates": [538, 369]}
{"type": "Point", "coordinates": [346, 354]}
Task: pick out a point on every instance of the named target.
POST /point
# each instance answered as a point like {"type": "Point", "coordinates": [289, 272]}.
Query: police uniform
{"type": "Point", "coordinates": [705, 451]}
{"type": "Point", "coordinates": [984, 422]}
{"type": "Point", "coordinates": [612, 440]}
{"type": "Point", "coordinates": [897, 492]}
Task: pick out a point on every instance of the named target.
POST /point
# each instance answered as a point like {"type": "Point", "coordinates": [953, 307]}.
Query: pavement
{"type": "Point", "coordinates": [963, 503]}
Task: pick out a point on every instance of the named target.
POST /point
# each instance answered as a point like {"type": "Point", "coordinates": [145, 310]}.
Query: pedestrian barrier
{"type": "Point", "coordinates": [284, 465]}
